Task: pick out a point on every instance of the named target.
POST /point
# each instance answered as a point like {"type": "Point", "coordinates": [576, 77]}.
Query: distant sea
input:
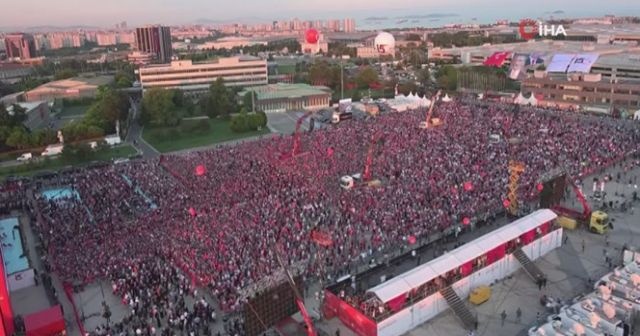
{"type": "Point", "coordinates": [412, 18]}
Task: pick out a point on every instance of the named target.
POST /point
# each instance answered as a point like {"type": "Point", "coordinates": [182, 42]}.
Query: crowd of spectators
{"type": "Point", "coordinates": [164, 225]}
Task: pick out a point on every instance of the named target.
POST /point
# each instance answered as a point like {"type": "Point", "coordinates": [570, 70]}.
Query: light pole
{"type": "Point", "coordinates": [341, 79]}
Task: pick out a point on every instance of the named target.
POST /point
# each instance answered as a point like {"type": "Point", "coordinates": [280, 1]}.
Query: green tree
{"type": "Point", "coordinates": [262, 117]}
{"type": "Point", "coordinates": [17, 116]}
{"type": "Point", "coordinates": [366, 77]}
{"type": "Point", "coordinates": [356, 96]}
{"type": "Point", "coordinates": [125, 75]}
{"type": "Point", "coordinates": [43, 137]}
{"type": "Point", "coordinates": [158, 108]}
{"type": "Point", "coordinates": [447, 78]}
{"type": "Point", "coordinates": [19, 138]}
{"type": "Point", "coordinates": [219, 101]}
{"type": "Point", "coordinates": [64, 74]}
{"type": "Point", "coordinates": [424, 76]}
{"type": "Point", "coordinates": [247, 100]}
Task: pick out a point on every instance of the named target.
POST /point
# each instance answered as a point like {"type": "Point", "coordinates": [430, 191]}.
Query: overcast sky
{"type": "Point", "coordinates": [20, 13]}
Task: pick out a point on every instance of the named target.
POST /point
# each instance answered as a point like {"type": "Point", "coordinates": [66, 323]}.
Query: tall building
{"type": "Point", "coordinates": [349, 25]}
{"type": "Point", "coordinates": [21, 46]}
{"type": "Point", "coordinates": [333, 25]}
{"type": "Point", "coordinates": [155, 40]}
{"type": "Point", "coordinates": [189, 76]}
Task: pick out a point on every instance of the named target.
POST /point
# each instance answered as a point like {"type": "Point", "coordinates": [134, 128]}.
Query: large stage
{"type": "Point", "coordinates": [402, 299]}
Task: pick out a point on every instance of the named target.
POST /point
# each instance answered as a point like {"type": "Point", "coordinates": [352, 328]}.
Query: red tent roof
{"type": "Point", "coordinates": [45, 322]}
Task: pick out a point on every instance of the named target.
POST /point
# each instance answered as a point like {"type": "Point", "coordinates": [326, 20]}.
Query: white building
{"type": "Point", "coordinates": [189, 76]}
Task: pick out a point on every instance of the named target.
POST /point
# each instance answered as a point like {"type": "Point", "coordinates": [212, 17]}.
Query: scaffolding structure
{"type": "Point", "coordinates": [516, 169]}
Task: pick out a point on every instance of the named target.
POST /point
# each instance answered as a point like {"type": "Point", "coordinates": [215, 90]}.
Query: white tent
{"type": "Point", "coordinates": [402, 103]}
{"type": "Point", "coordinates": [636, 115]}
{"type": "Point", "coordinates": [446, 98]}
{"type": "Point", "coordinates": [520, 99]}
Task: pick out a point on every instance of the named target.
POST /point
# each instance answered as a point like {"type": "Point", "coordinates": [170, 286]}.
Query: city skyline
{"type": "Point", "coordinates": [108, 13]}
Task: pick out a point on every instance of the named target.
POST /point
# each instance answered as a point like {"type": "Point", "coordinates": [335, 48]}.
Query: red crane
{"type": "Point", "coordinates": [427, 123]}
{"type": "Point", "coordinates": [299, 298]}
{"type": "Point", "coordinates": [375, 140]}
{"type": "Point", "coordinates": [586, 208]}
{"type": "Point", "coordinates": [295, 150]}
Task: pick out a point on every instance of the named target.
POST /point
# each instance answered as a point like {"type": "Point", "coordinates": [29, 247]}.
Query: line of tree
{"type": "Point", "coordinates": [99, 120]}
{"type": "Point", "coordinates": [14, 135]}
{"type": "Point", "coordinates": [247, 122]}
{"type": "Point", "coordinates": [162, 107]}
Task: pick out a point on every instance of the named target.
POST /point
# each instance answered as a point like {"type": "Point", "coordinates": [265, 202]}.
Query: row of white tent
{"type": "Point", "coordinates": [402, 103]}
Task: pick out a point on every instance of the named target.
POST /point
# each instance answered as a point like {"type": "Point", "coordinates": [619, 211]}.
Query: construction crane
{"type": "Point", "coordinates": [428, 121]}
{"type": "Point", "coordinates": [295, 147]}
{"type": "Point", "coordinates": [597, 221]}
{"type": "Point", "coordinates": [299, 298]}
{"type": "Point", "coordinates": [350, 181]}
{"type": "Point", "coordinates": [516, 168]}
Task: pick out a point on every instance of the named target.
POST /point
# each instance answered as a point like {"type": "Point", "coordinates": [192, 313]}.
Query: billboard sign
{"type": "Point", "coordinates": [560, 62]}
{"type": "Point", "coordinates": [582, 63]}
{"type": "Point", "coordinates": [520, 63]}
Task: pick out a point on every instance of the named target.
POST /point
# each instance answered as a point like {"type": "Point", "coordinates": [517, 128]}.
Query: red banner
{"type": "Point", "coordinates": [397, 303]}
{"type": "Point", "coordinates": [321, 238]}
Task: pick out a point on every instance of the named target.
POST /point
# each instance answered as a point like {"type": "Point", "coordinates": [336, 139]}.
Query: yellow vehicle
{"type": "Point", "coordinates": [480, 295]}
{"type": "Point", "coordinates": [567, 223]}
{"type": "Point", "coordinates": [599, 222]}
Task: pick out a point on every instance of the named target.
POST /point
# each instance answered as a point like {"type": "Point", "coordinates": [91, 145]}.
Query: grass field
{"type": "Point", "coordinates": [74, 111]}
{"type": "Point", "coordinates": [35, 167]}
{"type": "Point", "coordinates": [169, 139]}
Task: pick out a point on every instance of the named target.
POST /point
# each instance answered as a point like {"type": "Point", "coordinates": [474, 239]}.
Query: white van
{"type": "Point", "coordinates": [53, 150]}
{"type": "Point", "coordinates": [25, 157]}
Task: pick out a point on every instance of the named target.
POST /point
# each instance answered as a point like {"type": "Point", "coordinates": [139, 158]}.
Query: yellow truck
{"type": "Point", "coordinates": [598, 222]}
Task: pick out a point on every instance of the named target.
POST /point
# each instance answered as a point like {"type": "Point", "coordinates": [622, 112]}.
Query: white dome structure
{"type": "Point", "coordinates": [385, 43]}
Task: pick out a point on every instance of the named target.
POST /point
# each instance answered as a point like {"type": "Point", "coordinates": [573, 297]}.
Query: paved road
{"type": "Point", "coordinates": [134, 136]}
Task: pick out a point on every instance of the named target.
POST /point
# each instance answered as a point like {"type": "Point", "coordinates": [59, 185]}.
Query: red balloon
{"type": "Point", "coordinates": [468, 186]}
{"type": "Point", "coordinates": [311, 36]}
{"type": "Point", "coordinates": [411, 240]}
{"type": "Point", "coordinates": [200, 170]}
{"type": "Point", "coordinates": [506, 203]}
{"type": "Point", "coordinates": [192, 212]}
{"type": "Point", "coordinates": [539, 187]}
{"type": "Point", "coordinates": [466, 221]}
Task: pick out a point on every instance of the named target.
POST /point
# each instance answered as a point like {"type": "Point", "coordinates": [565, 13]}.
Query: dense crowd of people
{"type": "Point", "coordinates": [158, 227]}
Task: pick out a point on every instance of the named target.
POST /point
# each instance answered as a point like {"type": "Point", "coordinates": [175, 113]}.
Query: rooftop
{"type": "Point", "coordinates": [73, 84]}
{"type": "Point", "coordinates": [282, 90]}
{"type": "Point", "coordinates": [618, 54]}
{"type": "Point", "coordinates": [187, 63]}
{"type": "Point", "coordinates": [619, 30]}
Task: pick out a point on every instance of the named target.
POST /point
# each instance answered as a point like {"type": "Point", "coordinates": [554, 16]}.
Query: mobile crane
{"type": "Point", "coordinates": [350, 181]}
{"type": "Point", "coordinates": [429, 122]}
{"type": "Point", "coordinates": [597, 221]}
{"type": "Point", "coordinates": [295, 147]}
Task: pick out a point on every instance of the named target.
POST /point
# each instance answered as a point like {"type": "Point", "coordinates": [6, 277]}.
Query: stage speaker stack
{"type": "Point", "coordinates": [269, 307]}
{"type": "Point", "coordinates": [553, 191]}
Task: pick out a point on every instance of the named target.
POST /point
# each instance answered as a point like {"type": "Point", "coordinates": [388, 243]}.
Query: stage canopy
{"type": "Point", "coordinates": [45, 322]}
{"type": "Point", "coordinates": [424, 273]}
